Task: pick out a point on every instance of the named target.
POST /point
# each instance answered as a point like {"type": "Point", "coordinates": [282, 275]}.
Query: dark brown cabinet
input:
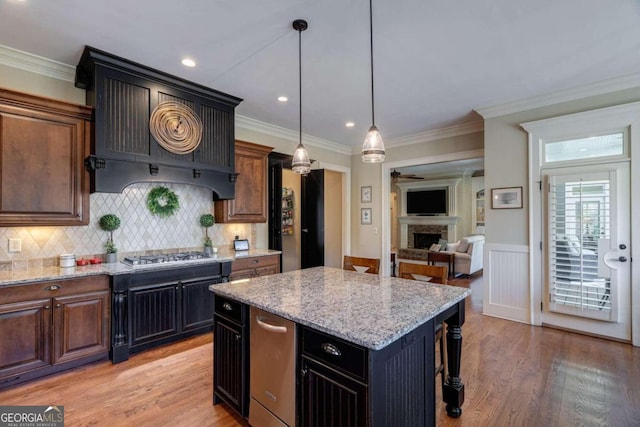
{"type": "Point", "coordinates": [52, 326]}
{"type": "Point", "coordinates": [43, 143]}
{"type": "Point", "coordinates": [231, 355]}
{"type": "Point", "coordinates": [245, 268]}
{"type": "Point", "coordinates": [250, 203]}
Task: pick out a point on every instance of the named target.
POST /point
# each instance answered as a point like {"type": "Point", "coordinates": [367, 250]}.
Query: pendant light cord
{"type": "Point", "coordinates": [300, 78]}
{"type": "Point", "coordinates": [373, 115]}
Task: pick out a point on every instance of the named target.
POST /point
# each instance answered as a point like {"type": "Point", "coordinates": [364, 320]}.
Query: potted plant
{"type": "Point", "coordinates": [207, 221]}
{"type": "Point", "coordinates": [110, 222]}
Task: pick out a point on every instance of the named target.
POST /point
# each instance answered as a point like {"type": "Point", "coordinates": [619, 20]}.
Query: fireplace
{"type": "Point", "coordinates": [425, 240]}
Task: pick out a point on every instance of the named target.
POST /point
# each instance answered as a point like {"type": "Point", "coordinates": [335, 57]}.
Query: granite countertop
{"type": "Point", "coordinates": [41, 274]}
{"type": "Point", "coordinates": [361, 308]}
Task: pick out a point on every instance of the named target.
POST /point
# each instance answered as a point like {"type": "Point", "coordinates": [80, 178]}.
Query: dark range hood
{"type": "Point", "coordinates": [124, 95]}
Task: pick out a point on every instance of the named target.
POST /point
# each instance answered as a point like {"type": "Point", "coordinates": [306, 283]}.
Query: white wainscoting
{"type": "Point", "coordinates": [506, 282]}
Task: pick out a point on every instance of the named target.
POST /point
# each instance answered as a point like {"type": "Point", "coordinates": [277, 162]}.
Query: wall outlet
{"type": "Point", "coordinates": [15, 245]}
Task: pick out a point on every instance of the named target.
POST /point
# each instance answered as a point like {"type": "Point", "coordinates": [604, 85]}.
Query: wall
{"type": "Point", "coordinates": [333, 219]}
{"type": "Point", "coordinates": [139, 230]}
{"type": "Point", "coordinates": [291, 244]}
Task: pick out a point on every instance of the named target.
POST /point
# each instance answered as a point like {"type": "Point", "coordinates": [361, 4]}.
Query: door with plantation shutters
{"type": "Point", "coordinates": [587, 225]}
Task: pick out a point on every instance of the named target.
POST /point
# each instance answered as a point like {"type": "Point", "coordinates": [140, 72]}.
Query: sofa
{"type": "Point", "coordinates": [469, 252]}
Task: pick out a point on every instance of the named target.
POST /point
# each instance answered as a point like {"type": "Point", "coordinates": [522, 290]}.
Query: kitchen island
{"type": "Point", "coordinates": [365, 338]}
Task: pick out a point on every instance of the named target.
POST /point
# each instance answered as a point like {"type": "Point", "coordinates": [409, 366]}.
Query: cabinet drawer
{"type": "Point", "coordinates": [254, 262]}
{"type": "Point", "coordinates": [229, 308]}
{"type": "Point", "coordinates": [54, 288]}
{"type": "Point", "coordinates": [336, 353]}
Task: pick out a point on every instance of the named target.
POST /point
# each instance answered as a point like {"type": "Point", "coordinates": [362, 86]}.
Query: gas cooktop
{"type": "Point", "coordinates": [162, 258]}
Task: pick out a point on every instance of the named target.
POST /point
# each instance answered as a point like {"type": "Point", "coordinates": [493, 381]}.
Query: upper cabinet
{"type": "Point", "coordinates": [129, 99]}
{"type": "Point", "coordinates": [250, 204]}
{"type": "Point", "coordinates": [43, 143]}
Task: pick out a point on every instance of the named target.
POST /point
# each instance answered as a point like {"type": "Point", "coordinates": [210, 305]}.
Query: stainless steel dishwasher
{"type": "Point", "coordinates": [272, 373]}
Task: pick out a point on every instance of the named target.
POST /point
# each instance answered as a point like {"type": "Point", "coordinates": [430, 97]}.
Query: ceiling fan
{"type": "Point", "coordinates": [395, 175]}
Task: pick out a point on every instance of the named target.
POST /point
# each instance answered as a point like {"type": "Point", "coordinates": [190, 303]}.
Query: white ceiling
{"type": "Point", "coordinates": [434, 61]}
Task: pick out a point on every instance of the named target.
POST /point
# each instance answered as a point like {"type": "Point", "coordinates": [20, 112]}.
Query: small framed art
{"type": "Point", "coordinates": [506, 198]}
{"type": "Point", "coordinates": [365, 194]}
{"type": "Point", "coordinates": [365, 216]}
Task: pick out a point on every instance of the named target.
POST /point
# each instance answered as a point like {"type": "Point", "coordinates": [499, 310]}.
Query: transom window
{"type": "Point", "coordinates": [607, 145]}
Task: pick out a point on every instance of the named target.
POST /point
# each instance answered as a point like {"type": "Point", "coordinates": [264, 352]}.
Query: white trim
{"type": "Point", "coordinates": [346, 201]}
{"type": "Point", "coordinates": [248, 123]}
{"type": "Point", "coordinates": [436, 134]}
{"type": "Point", "coordinates": [385, 196]}
{"type": "Point", "coordinates": [599, 88]}
{"type": "Point", "coordinates": [37, 64]}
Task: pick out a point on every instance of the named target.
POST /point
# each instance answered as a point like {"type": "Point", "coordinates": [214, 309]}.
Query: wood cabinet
{"type": "Point", "coordinates": [43, 143]}
{"type": "Point", "coordinates": [245, 268]}
{"type": "Point", "coordinates": [250, 203]}
{"type": "Point", "coordinates": [231, 355]}
{"type": "Point", "coordinates": [52, 326]}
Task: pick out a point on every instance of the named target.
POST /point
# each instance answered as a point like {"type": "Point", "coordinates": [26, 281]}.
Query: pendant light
{"type": "Point", "coordinates": [373, 147]}
{"type": "Point", "coordinates": [300, 162]}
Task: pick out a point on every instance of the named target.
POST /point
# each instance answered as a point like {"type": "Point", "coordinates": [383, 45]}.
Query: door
{"type": "Point", "coordinates": [312, 219]}
{"type": "Point", "coordinates": [275, 201]}
{"type": "Point", "coordinates": [587, 268]}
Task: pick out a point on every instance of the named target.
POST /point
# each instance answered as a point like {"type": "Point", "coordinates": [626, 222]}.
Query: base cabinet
{"type": "Point", "coordinates": [246, 268]}
{"type": "Point", "coordinates": [52, 326]}
{"type": "Point", "coordinates": [231, 355]}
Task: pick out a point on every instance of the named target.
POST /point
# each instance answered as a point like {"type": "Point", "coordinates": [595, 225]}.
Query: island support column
{"type": "Point", "coordinates": [453, 388]}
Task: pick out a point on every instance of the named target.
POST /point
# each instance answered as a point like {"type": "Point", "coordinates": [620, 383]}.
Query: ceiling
{"type": "Point", "coordinates": [434, 61]}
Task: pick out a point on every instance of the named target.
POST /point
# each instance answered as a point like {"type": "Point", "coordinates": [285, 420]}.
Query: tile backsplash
{"type": "Point", "coordinates": [139, 230]}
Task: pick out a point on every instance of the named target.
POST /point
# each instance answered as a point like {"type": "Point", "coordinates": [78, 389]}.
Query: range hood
{"type": "Point", "coordinates": [125, 96]}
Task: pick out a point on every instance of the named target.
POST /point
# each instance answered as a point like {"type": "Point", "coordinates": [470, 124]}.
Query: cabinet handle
{"type": "Point", "coordinates": [238, 337]}
{"type": "Point", "coordinates": [255, 261]}
{"type": "Point", "coordinates": [58, 305]}
{"type": "Point", "coordinates": [330, 349]}
{"type": "Point", "coordinates": [47, 307]}
{"type": "Point", "coordinates": [52, 288]}
{"type": "Point", "coordinates": [303, 371]}
{"type": "Point", "coordinates": [227, 306]}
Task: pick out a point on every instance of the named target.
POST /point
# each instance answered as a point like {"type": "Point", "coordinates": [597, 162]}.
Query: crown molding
{"type": "Point", "coordinates": [36, 64]}
{"type": "Point", "coordinates": [436, 134]}
{"type": "Point", "coordinates": [288, 134]}
{"type": "Point", "coordinates": [599, 88]}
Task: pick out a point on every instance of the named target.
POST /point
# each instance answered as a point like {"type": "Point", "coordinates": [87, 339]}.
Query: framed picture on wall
{"type": "Point", "coordinates": [365, 216]}
{"type": "Point", "coordinates": [365, 194]}
{"type": "Point", "coordinates": [506, 198]}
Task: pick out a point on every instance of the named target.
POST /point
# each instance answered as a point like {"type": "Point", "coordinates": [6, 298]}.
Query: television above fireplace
{"type": "Point", "coordinates": [427, 202]}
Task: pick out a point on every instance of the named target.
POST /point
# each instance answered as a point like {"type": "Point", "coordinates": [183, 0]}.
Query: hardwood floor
{"type": "Point", "coordinates": [514, 374]}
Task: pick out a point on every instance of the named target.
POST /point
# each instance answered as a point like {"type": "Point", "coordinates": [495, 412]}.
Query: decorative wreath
{"type": "Point", "coordinates": [162, 202]}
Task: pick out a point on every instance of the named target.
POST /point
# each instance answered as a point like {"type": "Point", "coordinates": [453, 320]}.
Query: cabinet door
{"type": "Point", "coordinates": [229, 365]}
{"type": "Point", "coordinates": [153, 313]}
{"type": "Point", "coordinates": [197, 304]}
{"type": "Point", "coordinates": [80, 326]}
{"type": "Point", "coordinates": [24, 333]}
{"type": "Point", "coordinates": [329, 398]}
{"type": "Point", "coordinates": [250, 203]}
{"type": "Point", "coordinates": [42, 150]}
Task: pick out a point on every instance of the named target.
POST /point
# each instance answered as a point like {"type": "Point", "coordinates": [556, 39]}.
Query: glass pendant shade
{"type": "Point", "coordinates": [300, 163]}
{"type": "Point", "coordinates": [373, 147]}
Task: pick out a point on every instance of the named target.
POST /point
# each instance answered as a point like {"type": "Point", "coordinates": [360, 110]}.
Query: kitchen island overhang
{"type": "Point", "coordinates": [387, 317]}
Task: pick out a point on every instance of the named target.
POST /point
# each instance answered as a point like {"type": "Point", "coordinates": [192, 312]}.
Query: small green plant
{"type": "Point", "coordinates": [207, 220]}
{"type": "Point", "coordinates": [110, 222]}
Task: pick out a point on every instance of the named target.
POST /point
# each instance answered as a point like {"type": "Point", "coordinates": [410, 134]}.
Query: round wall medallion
{"type": "Point", "coordinates": [176, 127]}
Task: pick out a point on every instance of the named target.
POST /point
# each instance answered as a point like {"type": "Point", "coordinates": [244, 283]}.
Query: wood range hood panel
{"type": "Point", "coordinates": [123, 150]}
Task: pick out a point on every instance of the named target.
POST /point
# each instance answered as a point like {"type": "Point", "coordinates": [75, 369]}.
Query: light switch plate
{"type": "Point", "coordinates": [15, 245]}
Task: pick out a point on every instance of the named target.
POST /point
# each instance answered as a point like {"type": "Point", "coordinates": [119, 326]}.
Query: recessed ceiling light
{"type": "Point", "coordinates": [349, 124]}
{"type": "Point", "coordinates": [188, 62]}
{"type": "Point", "coordinates": [283, 99]}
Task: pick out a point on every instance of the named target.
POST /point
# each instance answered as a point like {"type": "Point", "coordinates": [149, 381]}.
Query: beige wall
{"type": "Point", "coordinates": [333, 219]}
{"type": "Point", "coordinates": [37, 84]}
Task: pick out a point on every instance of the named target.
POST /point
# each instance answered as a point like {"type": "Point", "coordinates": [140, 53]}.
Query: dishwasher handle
{"type": "Point", "coordinates": [271, 328]}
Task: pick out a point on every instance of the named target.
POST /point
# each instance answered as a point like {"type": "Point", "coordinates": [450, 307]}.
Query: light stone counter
{"type": "Point", "coordinates": [42, 274]}
{"type": "Point", "coordinates": [361, 308]}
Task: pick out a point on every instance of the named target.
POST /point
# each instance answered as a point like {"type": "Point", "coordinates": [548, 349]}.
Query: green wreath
{"type": "Point", "coordinates": [162, 202]}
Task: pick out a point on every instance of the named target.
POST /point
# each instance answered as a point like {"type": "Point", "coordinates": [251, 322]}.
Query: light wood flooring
{"type": "Point", "coordinates": [514, 375]}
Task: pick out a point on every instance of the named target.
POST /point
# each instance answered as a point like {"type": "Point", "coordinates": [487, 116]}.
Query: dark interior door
{"type": "Point", "coordinates": [312, 219]}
